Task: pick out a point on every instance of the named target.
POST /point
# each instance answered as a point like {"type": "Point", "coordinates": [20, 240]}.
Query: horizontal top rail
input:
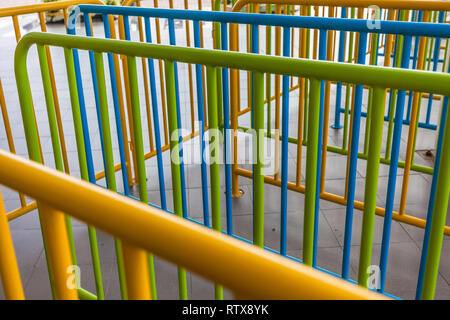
{"type": "Point", "coordinates": [358, 25]}
{"type": "Point", "coordinates": [245, 269]}
{"type": "Point", "coordinates": [421, 81]}
{"type": "Point", "coordinates": [383, 4]}
{"type": "Point", "coordinates": [35, 8]}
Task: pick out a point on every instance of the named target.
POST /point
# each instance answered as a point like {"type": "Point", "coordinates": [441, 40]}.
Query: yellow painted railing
{"type": "Point", "coordinates": [249, 272]}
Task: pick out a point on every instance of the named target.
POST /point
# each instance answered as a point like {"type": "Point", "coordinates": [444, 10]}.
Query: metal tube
{"type": "Point", "coordinates": [370, 193]}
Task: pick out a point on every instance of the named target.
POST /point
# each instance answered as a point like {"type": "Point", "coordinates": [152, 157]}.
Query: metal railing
{"type": "Point", "coordinates": [248, 271]}
{"type": "Point", "coordinates": [40, 10]}
{"type": "Point", "coordinates": [317, 72]}
{"type": "Point", "coordinates": [403, 30]}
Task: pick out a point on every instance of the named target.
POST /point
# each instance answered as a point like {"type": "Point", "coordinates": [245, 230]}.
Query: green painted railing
{"type": "Point", "coordinates": [378, 78]}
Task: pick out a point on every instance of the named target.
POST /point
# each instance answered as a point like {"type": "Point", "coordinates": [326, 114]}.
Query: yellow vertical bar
{"type": "Point", "coordinates": [58, 250]}
{"type": "Point", "coordinates": [9, 270]}
{"type": "Point", "coordinates": [316, 34]}
{"type": "Point", "coordinates": [146, 91]}
{"type": "Point", "coordinates": [55, 98]}
{"type": "Point", "coordinates": [412, 124]}
{"type": "Point", "coordinates": [9, 136]}
{"type": "Point", "coordinates": [66, 16]}
{"type": "Point", "coordinates": [136, 272]}
{"type": "Point", "coordinates": [6, 122]}
{"type": "Point", "coordinates": [389, 42]}
{"type": "Point", "coordinates": [16, 28]}
{"type": "Point", "coordinates": [234, 99]}
{"type": "Point", "coordinates": [292, 41]}
{"type": "Point", "coordinates": [191, 85]}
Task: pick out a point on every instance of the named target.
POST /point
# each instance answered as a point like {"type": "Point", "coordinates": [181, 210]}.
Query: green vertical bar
{"type": "Point", "coordinates": [54, 135]}
{"type": "Point", "coordinates": [50, 108]}
{"type": "Point", "coordinates": [348, 91]}
{"type": "Point", "coordinates": [214, 134]}
{"type": "Point", "coordinates": [83, 165]}
{"type": "Point", "coordinates": [393, 103]}
{"type": "Point", "coordinates": [430, 43]}
{"type": "Point", "coordinates": [439, 216]}
{"type": "Point", "coordinates": [444, 63]}
{"type": "Point", "coordinates": [139, 150]}
{"type": "Point", "coordinates": [31, 134]}
{"type": "Point", "coordinates": [307, 85]}
{"type": "Point", "coordinates": [370, 193]}
{"type": "Point", "coordinates": [311, 171]}
{"type": "Point", "coordinates": [368, 119]}
{"type": "Point", "coordinates": [109, 160]}
{"type": "Point", "coordinates": [217, 45]}
{"type": "Point", "coordinates": [258, 154]}
{"type": "Point", "coordinates": [417, 128]}
{"type": "Point", "coordinates": [175, 160]}
{"type": "Point", "coordinates": [305, 111]}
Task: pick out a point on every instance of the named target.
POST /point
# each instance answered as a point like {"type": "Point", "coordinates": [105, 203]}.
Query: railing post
{"type": "Point", "coordinates": [9, 271]}
{"type": "Point", "coordinates": [58, 251]}
{"type": "Point", "coordinates": [169, 69]}
{"type": "Point", "coordinates": [136, 272]}
{"type": "Point", "coordinates": [370, 193]}
{"type": "Point", "coordinates": [438, 221]}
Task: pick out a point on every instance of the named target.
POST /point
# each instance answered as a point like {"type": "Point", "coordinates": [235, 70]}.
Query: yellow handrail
{"type": "Point", "coordinates": [249, 272]}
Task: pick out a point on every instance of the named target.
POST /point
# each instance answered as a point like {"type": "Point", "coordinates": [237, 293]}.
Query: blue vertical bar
{"type": "Point", "coordinates": [426, 238]}
{"type": "Point", "coordinates": [180, 136]}
{"type": "Point", "coordinates": [112, 75]}
{"type": "Point", "coordinates": [337, 112]}
{"type": "Point", "coordinates": [322, 56]}
{"type": "Point", "coordinates": [87, 24]}
{"type": "Point", "coordinates": [284, 144]}
{"type": "Point", "coordinates": [437, 45]}
{"type": "Point", "coordinates": [393, 167]}
{"type": "Point", "coordinates": [151, 72]}
{"type": "Point", "coordinates": [226, 130]}
{"type": "Point", "coordinates": [254, 49]}
{"type": "Point", "coordinates": [394, 61]}
{"type": "Point", "coordinates": [255, 38]}
{"type": "Point", "coordinates": [84, 122]}
{"type": "Point", "coordinates": [353, 161]}
{"type": "Point", "coordinates": [198, 78]}
{"type": "Point", "coordinates": [254, 35]}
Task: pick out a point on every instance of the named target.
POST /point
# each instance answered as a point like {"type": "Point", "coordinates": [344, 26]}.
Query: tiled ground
{"type": "Point", "coordinates": [406, 240]}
